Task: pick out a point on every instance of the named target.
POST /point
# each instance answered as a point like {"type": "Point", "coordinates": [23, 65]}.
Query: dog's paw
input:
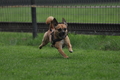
{"type": "Point", "coordinates": [71, 51]}
{"type": "Point", "coordinates": [40, 47]}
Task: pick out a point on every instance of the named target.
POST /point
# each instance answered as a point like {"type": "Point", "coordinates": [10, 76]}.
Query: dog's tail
{"type": "Point", "coordinates": [49, 19]}
{"type": "Point", "coordinates": [48, 22]}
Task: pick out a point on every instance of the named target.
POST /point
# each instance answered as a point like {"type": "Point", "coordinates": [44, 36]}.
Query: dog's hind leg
{"type": "Point", "coordinates": [43, 44]}
{"type": "Point", "coordinates": [45, 41]}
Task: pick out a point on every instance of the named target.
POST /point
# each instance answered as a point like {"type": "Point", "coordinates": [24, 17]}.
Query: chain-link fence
{"type": "Point", "coordinates": [53, 2]}
{"type": "Point", "coordinates": [74, 11]}
{"type": "Point", "coordinates": [82, 15]}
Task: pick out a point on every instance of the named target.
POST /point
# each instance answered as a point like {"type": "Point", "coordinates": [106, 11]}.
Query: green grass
{"type": "Point", "coordinates": [17, 14]}
{"type": "Point", "coordinates": [20, 58]}
{"type": "Point", "coordinates": [98, 42]}
{"type": "Point", "coordinates": [79, 15]}
{"type": "Point", "coordinates": [30, 63]}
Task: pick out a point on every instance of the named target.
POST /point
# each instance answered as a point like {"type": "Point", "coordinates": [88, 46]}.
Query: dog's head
{"type": "Point", "coordinates": [60, 29]}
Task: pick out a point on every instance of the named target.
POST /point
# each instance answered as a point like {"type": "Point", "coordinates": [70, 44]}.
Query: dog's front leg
{"type": "Point", "coordinates": [59, 47]}
{"type": "Point", "coordinates": [67, 42]}
{"type": "Point", "coordinates": [62, 53]}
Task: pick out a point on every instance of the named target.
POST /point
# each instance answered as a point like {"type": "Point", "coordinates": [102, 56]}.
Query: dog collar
{"type": "Point", "coordinates": [55, 40]}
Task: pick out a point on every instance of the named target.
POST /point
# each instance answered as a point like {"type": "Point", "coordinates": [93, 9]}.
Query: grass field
{"type": "Point", "coordinates": [81, 15]}
{"type": "Point", "coordinates": [95, 57]}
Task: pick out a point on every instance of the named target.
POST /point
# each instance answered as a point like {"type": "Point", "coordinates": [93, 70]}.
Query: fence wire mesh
{"type": "Point", "coordinates": [74, 11]}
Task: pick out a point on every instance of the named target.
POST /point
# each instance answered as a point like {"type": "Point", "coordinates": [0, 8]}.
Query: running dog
{"type": "Point", "coordinates": [57, 35]}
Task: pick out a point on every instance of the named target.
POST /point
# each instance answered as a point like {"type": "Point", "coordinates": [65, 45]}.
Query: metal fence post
{"type": "Point", "coordinates": [33, 14]}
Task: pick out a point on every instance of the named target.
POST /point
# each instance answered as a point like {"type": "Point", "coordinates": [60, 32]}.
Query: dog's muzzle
{"type": "Point", "coordinates": [62, 34]}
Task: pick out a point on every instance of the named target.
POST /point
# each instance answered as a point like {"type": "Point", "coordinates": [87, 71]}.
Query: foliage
{"type": "Point", "coordinates": [98, 42]}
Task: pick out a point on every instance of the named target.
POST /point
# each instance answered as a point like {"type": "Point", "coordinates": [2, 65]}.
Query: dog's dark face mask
{"type": "Point", "coordinates": [62, 32]}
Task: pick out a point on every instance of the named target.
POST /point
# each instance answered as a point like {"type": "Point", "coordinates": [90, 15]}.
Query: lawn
{"type": "Point", "coordinates": [20, 58]}
{"type": "Point", "coordinates": [79, 15]}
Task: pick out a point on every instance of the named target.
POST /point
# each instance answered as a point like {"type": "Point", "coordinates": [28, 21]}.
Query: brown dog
{"type": "Point", "coordinates": [57, 35]}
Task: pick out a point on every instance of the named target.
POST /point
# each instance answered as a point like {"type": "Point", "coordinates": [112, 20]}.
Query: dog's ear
{"type": "Point", "coordinates": [64, 22]}
{"type": "Point", "coordinates": [54, 22]}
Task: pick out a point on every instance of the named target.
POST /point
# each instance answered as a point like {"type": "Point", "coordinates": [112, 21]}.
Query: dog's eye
{"type": "Point", "coordinates": [60, 29]}
{"type": "Point", "coordinates": [65, 29]}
